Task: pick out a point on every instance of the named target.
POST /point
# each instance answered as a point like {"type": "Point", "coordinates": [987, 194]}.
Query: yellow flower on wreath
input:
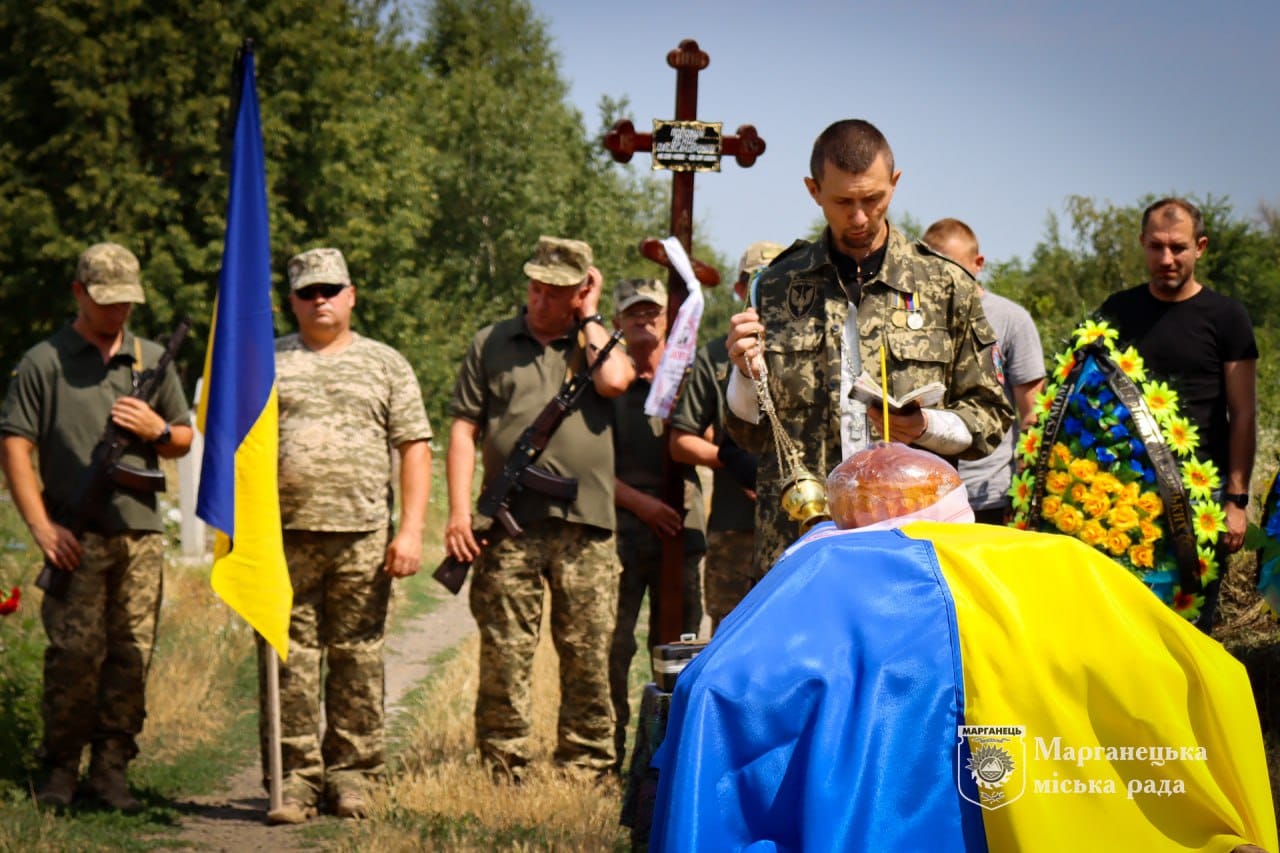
{"type": "Point", "coordinates": [1118, 542]}
{"type": "Point", "coordinates": [1057, 482]}
{"type": "Point", "coordinates": [1029, 445]}
{"type": "Point", "coordinates": [1068, 519]}
{"type": "Point", "coordinates": [1200, 478]}
{"type": "Point", "coordinates": [1093, 533]}
{"type": "Point", "coordinates": [1130, 492]}
{"type": "Point", "coordinates": [1150, 503]}
{"type": "Point", "coordinates": [1060, 456]}
{"type": "Point", "coordinates": [1142, 556]}
{"type": "Point", "coordinates": [1131, 363]}
{"type": "Point", "coordinates": [1020, 490]}
{"type": "Point", "coordinates": [1079, 493]}
{"type": "Point", "coordinates": [1092, 330]}
{"type": "Point", "coordinates": [1050, 505]}
{"type": "Point", "coordinates": [1044, 402]}
{"type": "Point", "coordinates": [1181, 435]}
{"type": "Point", "coordinates": [1063, 363]}
{"type": "Point", "coordinates": [1150, 532]}
{"type": "Point", "coordinates": [1161, 400]}
{"type": "Point", "coordinates": [1123, 517]}
{"type": "Point", "coordinates": [1208, 564]}
{"type": "Point", "coordinates": [1096, 505]}
{"type": "Point", "coordinates": [1083, 469]}
{"type": "Point", "coordinates": [1209, 521]}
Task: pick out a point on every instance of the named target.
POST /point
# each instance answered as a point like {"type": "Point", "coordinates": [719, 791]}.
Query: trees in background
{"type": "Point", "coordinates": [1068, 277]}
{"type": "Point", "coordinates": [433, 164]}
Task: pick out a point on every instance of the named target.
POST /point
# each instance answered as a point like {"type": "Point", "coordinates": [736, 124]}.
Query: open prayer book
{"type": "Point", "coordinates": [867, 390]}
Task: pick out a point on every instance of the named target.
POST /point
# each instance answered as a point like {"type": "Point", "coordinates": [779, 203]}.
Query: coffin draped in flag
{"type": "Point", "coordinates": [238, 411]}
{"type": "Point", "coordinates": [959, 687]}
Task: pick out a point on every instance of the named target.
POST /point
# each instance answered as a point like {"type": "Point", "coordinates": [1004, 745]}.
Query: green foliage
{"type": "Point", "coordinates": [434, 165]}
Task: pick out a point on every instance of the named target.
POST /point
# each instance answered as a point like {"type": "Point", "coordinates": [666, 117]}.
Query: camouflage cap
{"type": "Point", "coordinates": [559, 261]}
{"type": "Point", "coordinates": [111, 274]}
{"type": "Point", "coordinates": [758, 256]}
{"type": "Point", "coordinates": [633, 290]}
{"type": "Point", "coordinates": [317, 266]}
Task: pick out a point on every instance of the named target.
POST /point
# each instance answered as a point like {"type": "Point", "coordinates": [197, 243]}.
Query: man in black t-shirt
{"type": "Point", "coordinates": [1202, 343]}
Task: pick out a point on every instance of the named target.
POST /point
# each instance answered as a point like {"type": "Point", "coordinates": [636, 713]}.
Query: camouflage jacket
{"type": "Point", "coordinates": [803, 308]}
{"type": "Point", "coordinates": [341, 416]}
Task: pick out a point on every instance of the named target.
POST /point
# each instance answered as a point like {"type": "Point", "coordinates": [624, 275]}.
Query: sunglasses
{"type": "Point", "coordinates": [312, 291]}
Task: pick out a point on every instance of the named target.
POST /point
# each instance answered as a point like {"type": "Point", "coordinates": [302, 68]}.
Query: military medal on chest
{"type": "Point", "coordinates": [907, 312]}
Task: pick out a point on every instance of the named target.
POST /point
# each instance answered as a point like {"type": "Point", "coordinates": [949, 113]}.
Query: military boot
{"type": "Point", "coordinates": [60, 788]}
{"type": "Point", "coordinates": [107, 776]}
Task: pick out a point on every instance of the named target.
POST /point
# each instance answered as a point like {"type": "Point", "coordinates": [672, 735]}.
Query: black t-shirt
{"type": "Point", "coordinates": [1186, 345]}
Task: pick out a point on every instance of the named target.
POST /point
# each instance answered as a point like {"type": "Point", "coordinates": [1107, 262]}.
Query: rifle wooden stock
{"type": "Point", "coordinates": [518, 471]}
{"type": "Point", "coordinates": [105, 470]}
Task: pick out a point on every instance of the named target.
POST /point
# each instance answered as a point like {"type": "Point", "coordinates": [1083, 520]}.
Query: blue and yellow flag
{"type": "Point", "coordinates": [954, 687]}
{"type": "Point", "coordinates": [238, 410]}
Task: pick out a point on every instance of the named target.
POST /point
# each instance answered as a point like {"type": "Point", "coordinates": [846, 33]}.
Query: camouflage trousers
{"type": "Point", "coordinates": [577, 562]}
{"type": "Point", "coordinates": [731, 571]}
{"type": "Point", "coordinates": [100, 641]}
{"type": "Point", "coordinates": [640, 552]}
{"type": "Point", "coordinates": [340, 597]}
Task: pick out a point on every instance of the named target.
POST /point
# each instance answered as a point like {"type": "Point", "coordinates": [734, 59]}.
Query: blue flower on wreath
{"type": "Point", "coordinates": [1137, 448]}
{"type": "Point", "coordinates": [1105, 456]}
{"type": "Point", "coordinates": [1118, 433]}
{"type": "Point", "coordinates": [1087, 440]}
{"type": "Point", "coordinates": [1121, 412]}
{"type": "Point", "coordinates": [1106, 397]}
{"type": "Point", "coordinates": [1072, 426]}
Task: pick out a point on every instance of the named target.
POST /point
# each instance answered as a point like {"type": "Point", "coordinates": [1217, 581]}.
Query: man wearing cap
{"type": "Point", "coordinates": [731, 571]}
{"type": "Point", "coordinates": [101, 634]}
{"type": "Point", "coordinates": [345, 401]}
{"type": "Point", "coordinates": [512, 369]}
{"type": "Point", "coordinates": [644, 519]}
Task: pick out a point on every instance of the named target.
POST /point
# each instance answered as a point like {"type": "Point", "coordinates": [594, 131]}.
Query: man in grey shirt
{"type": "Point", "coordinates": [1019, 362]}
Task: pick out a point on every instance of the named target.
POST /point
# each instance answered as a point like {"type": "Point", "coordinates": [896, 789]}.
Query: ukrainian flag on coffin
{"type": "Point", "coordinates": [951, 687]}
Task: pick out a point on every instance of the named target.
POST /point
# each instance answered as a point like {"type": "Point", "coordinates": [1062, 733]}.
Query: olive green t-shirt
{"type": "Point", "coordinates": [640, 453]}
{"type": "Point", "coordinates": [60, 398]}
{"type": "Point", "coordinates": [507, 378]}
{"type": "Point", "coordinates": [701, 405]}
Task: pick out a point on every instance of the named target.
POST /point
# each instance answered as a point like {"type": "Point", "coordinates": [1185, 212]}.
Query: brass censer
{"type": "Point", "coordinates": [804, 496]}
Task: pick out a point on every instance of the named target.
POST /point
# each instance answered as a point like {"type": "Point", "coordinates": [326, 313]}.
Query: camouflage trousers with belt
{"type": "Point", "coordinates": [101, 636]}
{"type": "Point", "coordinates": [578, 564]}
{"type": "Point", "coordinates": [340, 597]}
{"type": "Point", "coordinates": [731, 571]}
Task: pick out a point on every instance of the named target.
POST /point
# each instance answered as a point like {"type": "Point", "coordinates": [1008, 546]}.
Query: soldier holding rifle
{"type": "Point", "coordinates": [102, 630]}
{"type": "Point", "coordinates": [511, 371]}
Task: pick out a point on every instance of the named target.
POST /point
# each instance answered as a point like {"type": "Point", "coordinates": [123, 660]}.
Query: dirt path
{"type": "Point", "coordinates": [233, 819]}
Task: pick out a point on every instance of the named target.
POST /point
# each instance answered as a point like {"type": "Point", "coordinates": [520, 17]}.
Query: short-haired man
{"type": "Point", "coordinates": [1019, 362]}
{"type": "Point", "coordinates": [101, 634]}
{"type": "Point", "coordinates": [1201, 341]}
{"type": "Point", "coordinates": [644, 518]}
{"type": "Point", "coordinates": [698, 437]}
{"type": "Point", "coordinates": [345, 402]}
{"type": "Point", "coordinates": [826, 310]}
{"type": "Point", "coordinates": [512, 369]}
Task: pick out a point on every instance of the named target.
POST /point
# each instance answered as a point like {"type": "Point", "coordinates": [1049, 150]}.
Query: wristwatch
{"type": "Point", "coordinates": [595, 318]}
{"type": "Point", "coordinates": [164, 437]}
{"type": "Point", "coordinates": [1241, 500]}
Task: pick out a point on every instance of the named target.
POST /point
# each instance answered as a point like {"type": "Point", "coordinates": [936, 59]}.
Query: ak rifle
{"type": "Point", "coordinates": [520, 472]}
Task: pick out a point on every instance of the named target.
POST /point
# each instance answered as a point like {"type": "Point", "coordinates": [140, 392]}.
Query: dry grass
{"type": "Point", "coordinates": [444, 799]}
{"type": "Point", "coordinates": [190, 690]}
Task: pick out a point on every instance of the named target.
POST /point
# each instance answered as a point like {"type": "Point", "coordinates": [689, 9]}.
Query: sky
{"type": "Point", "coordinates": [996, 111]}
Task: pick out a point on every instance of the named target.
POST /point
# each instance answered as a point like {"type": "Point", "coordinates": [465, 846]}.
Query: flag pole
{"type": "Point", "coordinates": [274, 761]}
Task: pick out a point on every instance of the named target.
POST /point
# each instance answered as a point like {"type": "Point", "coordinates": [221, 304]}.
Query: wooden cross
{"type": "Point", "coordinates": [623, 142]}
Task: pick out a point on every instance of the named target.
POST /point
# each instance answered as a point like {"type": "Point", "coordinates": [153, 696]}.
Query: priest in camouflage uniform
{"type": "Point", "coordinates": [827, 308]}
{"type": "Point", "coordinates": [345, 402]}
